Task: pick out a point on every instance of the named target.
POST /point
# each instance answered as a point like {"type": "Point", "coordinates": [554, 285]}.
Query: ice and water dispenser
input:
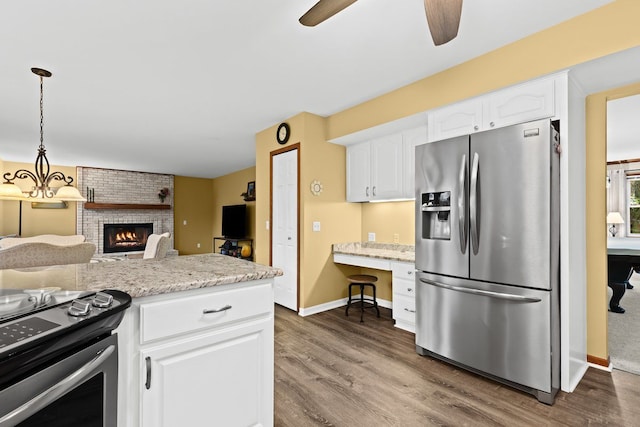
{"type": "Point", "coordinates": [436, 215]}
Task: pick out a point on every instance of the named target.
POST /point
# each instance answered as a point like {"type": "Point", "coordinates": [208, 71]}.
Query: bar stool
{"type": "Point", "coordinates": [363, 280]}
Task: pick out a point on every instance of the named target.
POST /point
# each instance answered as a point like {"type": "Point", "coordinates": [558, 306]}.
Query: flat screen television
{"type": "Point", "coordinates": [234, 221]}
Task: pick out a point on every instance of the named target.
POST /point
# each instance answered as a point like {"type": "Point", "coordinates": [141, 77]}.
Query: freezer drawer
{"type": "Point", "coordinates": [501, 330]}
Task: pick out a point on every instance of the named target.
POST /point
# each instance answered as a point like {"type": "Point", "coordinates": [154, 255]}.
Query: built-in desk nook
{"type": "Point", "coordinates": [400, 260]}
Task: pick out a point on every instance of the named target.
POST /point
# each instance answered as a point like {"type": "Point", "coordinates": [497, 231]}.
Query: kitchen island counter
{"type": "Point", "coordinates": [140, 278]}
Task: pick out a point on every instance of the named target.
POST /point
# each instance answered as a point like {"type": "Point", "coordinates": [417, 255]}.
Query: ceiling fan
{"type": "Point", "coordinates": [443, 16]}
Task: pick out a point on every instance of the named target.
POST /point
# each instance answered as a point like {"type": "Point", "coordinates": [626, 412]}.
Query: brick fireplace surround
{"type": "Point", "coordinates": [118, 186]}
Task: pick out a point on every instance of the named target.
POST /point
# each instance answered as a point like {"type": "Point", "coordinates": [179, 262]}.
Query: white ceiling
{"type": "Point", "coordinates": [183, 87]}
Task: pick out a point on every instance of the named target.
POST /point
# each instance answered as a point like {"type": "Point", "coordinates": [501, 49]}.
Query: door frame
{"type": "Point", "coordinates": [273, 153]}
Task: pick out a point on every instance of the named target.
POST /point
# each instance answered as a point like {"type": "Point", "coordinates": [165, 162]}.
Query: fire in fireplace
{"type": "Point", "coordinates": [126, 237]}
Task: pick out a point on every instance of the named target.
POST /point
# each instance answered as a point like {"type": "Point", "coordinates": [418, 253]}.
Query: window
{"type": "Point", "coordinates": [633, 202]}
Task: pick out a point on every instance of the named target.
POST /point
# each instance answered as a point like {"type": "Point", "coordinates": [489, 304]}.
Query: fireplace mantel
{"type": "Point", "coordinates": [91, 205]}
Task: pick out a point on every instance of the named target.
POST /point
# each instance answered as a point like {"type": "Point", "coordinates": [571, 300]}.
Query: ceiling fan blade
{"type": "Point", "coordinates": [323, 10]}
{"type": "Point", "coordinates": [443, 17]}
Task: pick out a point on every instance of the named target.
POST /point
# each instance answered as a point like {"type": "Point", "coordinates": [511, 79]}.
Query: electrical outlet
{"type": "Point", "coordinates": [316, 225]}
{"type": "Point", "coordinates": [266, 224]}
{"type": "Point", "coordinates": [184, 222]}
{"type": "Point", "coordinates": [198, 245]}
{"type": "Point", "coordinates": [396, 238]}
{"type": "Point", "coordinates": [372, 237]}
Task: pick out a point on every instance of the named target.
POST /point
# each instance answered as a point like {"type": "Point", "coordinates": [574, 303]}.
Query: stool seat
{"type": "Point", "coordinates": [362, 281]}
{"type": "Point", "coordinates": [362, 278]}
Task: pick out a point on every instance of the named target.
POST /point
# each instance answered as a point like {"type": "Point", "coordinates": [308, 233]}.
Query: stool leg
{"type": "Point", "coordinates": [361, 303]}
{"type": "Point", "coordinates": [375, 301]}
{"type": "Point", "coordinates": [349, 301]}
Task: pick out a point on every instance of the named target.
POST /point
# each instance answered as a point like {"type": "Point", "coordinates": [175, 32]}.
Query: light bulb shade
{"type": "Point", "coordinates": [614, 218]}
{"type": "Point", "coordinates": [68, 193]}
{"type": "Point", "coordinates": [9, 191]}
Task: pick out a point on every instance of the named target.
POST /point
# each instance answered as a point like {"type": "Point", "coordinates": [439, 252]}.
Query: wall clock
{"type": "Point", "coordinates": [283, 133]}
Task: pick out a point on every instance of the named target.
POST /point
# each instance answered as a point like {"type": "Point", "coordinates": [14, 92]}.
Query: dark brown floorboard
{"type": "Point", "coordinates": [332, 370]}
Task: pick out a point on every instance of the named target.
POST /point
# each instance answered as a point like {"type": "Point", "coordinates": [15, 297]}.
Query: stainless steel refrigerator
{"type": "Point", "coordinates": [487, 254]}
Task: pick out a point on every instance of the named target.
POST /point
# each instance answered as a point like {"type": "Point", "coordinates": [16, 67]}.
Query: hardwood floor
{"type": "Point", "coordinates": [331, 370]}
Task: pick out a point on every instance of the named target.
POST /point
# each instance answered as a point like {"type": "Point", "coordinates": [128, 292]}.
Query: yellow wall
{"type": "Point", "coordinates": [226, 191]}
{"type": "Point", "coordinates": [387, 219]}
{"type": "Point", "coordinates": [193, 202]}
{"type": "Point", "coordinates": [320, 279]}
{"type": "Point", "coordinates": [36, 221]}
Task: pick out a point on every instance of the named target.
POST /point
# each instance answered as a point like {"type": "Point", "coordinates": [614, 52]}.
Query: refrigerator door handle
{"type": "Point", "coordinates": [462, 207]}
{"type": "Point", "coordinates": [499, 295]}
{"type": "Point", "coordinates": [473, 204]}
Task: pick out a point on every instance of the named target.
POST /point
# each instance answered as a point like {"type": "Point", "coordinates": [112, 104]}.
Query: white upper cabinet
{"type": "Point", "coordinates": [374, 169]}
{"type": "Point", "coordinates": [359, 172]}
{"type": "Point", "coordinates": [520, 104]}
{"type": "Point", "coordinates": [517, 104]}
{"type": "Point", "coordinates": [462, 118]}
{"type": "Point", "coordinates": [383, 168]}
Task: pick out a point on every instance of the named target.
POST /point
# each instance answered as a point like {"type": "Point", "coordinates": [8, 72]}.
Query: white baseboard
{"type": "Point", "coordinates": [308, 311]}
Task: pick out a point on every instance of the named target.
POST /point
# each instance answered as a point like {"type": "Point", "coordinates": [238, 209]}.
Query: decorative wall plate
{"type": "Point", "coordinates": [316, 187]}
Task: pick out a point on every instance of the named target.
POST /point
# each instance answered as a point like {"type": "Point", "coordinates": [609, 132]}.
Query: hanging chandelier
{"type": "Point", "coordinates": [41, 190]}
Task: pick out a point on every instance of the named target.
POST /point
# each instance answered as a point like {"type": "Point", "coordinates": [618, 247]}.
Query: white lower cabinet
{"type": "Point", "coordinates": [198, 358]}
{"type": "Point", "coordinates": [404, 301]}
{"type": "Point", "coordinates": [214, 379]}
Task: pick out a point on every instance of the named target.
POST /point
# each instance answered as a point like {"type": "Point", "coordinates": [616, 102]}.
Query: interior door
{"type": "Point", "coordinates": [284, 250]}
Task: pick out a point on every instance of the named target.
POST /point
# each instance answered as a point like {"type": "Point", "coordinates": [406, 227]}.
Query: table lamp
{"type": "Point", "coordinates": [614, 218]}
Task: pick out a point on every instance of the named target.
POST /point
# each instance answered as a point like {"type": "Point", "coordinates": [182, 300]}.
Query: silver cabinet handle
{"type": "Point", "coordinates": [476, 127]}
{"type": "Point", "coordinates": [409, 289]}
{"type": "Point", "coordinates": [409, 273]}
{"type": "Point", "coordinates": [410, 311]}
{"type": "Point", "coordinates": [473, 204]}
{"type": "Point", "coordinates": [463, 223]}
{"type": "Point", "coordinates": [492, 124]}
{"type": "Point", "coordinates": [473, 291]}
{"type": "Point", "coordinates": [366, 191]}
{"type": "Point", "coordinates": [374, 190]}
{"type": "Point", "coordinates": [216, 310]}
{"type": "Point", "coordinates": [52, 394]}
{"type": "Point", "coordinates": [147, 362]}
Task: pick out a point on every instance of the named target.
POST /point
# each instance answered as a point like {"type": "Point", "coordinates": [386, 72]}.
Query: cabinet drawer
{"type": "Point", "coordinates": [404, 287]}
{"type": "Point", "coordinates": [184, 315]}
{"type": "Point", "coordinates": [403, 270]}
{"type": "Point", "coordinates": [404, 308]}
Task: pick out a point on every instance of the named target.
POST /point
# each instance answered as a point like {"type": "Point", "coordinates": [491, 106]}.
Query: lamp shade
{"type": "Point", "coordinates": [9, 191]}
{"type": "Point", "coordinates": [68, 193]}
{"type": "Point", "coordinates": [614, 218]}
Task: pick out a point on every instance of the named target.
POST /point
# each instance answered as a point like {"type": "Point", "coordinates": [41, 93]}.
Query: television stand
{"type": "Point", "coordinates": [232, 247]}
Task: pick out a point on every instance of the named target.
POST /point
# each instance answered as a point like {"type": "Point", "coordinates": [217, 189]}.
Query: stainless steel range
{"type": "Point", "coordinates": [58, 356]}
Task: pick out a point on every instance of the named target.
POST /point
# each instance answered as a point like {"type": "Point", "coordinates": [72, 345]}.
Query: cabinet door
{"type": "Point", "coordinates": [520, 104]}
{"type": "Point", "coordinates": [358, 172]}
{"type": "Point", "coordinates": [386, 167]}
{"type": "Point", "coordinates": [410, 139]}
{"type": "Point", "coordinates": [223, 378]}
{"type": "Point", "coordinates": [462, 118]}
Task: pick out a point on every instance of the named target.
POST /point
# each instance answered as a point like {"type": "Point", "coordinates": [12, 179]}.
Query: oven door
{"type": "Point", "coordinates": [80, 389]}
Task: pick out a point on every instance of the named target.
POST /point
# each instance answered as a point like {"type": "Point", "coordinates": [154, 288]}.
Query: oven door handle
{"type": "Point", "coordinates": [48, 396]}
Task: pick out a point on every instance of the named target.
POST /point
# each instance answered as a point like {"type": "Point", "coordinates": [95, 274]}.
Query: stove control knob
{"type": "Point", "coordinates": [102, 300]}
{"type": "Point", "coordinates": [79, 308]}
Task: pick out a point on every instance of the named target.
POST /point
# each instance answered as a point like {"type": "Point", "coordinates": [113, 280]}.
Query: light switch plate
{"type": "Point", "coordinates": [372, 237]}
{"type": "Point", "coordinates": [316, 225]}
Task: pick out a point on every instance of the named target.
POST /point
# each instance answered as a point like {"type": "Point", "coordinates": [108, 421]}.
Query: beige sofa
{"type": "Point", "coordinates": [35, 254]}
{"type": "Point", "coordinates": [52, 239]}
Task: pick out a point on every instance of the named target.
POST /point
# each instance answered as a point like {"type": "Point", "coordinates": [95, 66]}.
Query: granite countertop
{"type": "Point", "coordinates": [390, 251]}
{"type": "Point", "coordinates": [140, 277]}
